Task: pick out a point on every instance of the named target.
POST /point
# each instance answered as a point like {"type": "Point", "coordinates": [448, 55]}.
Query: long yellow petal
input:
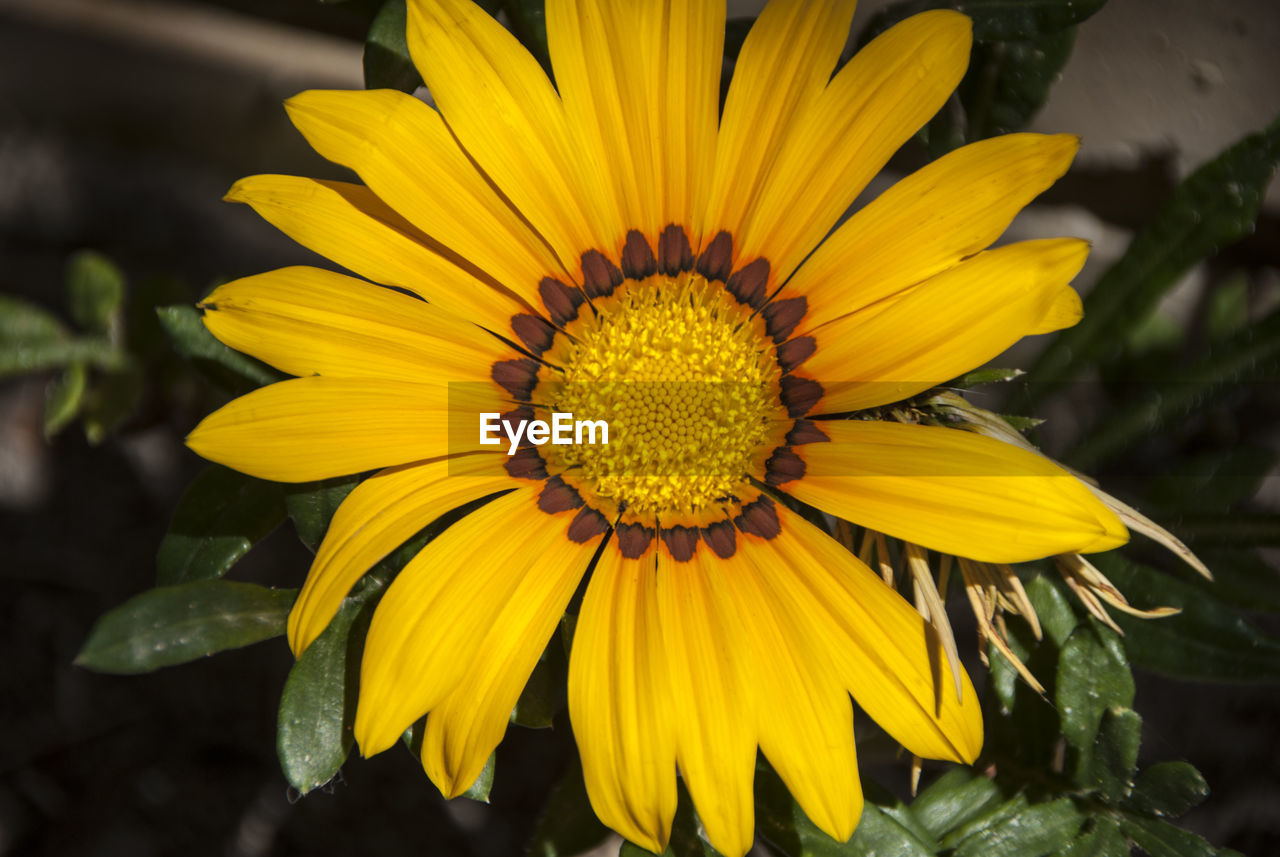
{"type": "Point", "coordinates": [350, 225]}
{"type": "Point", "coordinates": [468, 725]}
{"type": "Point", "coordinates": [319, 427]}
{"type": "Point", "coordinates": [619, 702]}
{"type": "Point", "coordinates": [308, 321]}
{"type": "Point", "coordinates": [711, 697]}
{"type": "Point", "coordinates": [944, 327]}
{"type": "Point", "coordinates": [382, 513]}
{"type": "Point", "coordinates": [847, 134]}
{"type": "Point", "coordinates": [885, 653]}
{"type": "Point", "coordinates": [516, 129]}
{"type": "Point", "coordinates": [953, 491]}
{"type": "Point", "coordinates": [404, 152]}
{"type": "Point", "coordinates": [928, 222]}
{"type": "Point", "coordinates": [785, 62]}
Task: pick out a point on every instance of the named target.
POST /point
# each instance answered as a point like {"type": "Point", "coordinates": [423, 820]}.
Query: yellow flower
{"type": "Point", "coordinates": [611, 246]}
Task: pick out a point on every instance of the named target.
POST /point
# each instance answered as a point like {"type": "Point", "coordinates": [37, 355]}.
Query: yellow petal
{"type": "Point", "coordinates": [710, 694]}
{"type": "Point", "coordinates": [619, 703]}
{"type": "Point", "coordinates": [403, 151]}
{"type": "Point", "coordinates": [382, 513]}
{"type": "Point", "coordinates": [885, 653]}
{"type": "Point", "coordinates": [308, 321]}
{"type": "Point", "coordinates": [944, 327]}
{"type": "Point", "coordinates": [466, 727]}
{"type": "Point", "coordinates": [508, 117]}
{"type": "Point", "coordinates": [846, 135]}
{"type": "Point", "coordinates": [432, 620]}
{"type": "Point", "coordinates": [350, 225]}
{"type": "Point", "coordinates": [953, 491]}
{"type": "Point", "coordinates": [319, 427]}
{"type": "Point", "coordinates": [785, 62]}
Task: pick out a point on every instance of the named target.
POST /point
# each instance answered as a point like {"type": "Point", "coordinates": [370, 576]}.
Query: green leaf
{"type": "Point", "coordinates": [175, 624]}
{"type": "Point", "coordinates": [1242, 577]}
{"type": "Point", "coordinates": [64, 397]}
{"type": "Point", "coordinates": [1057, 619]}
{"type": "Point", "coordinates": [479, 790]}
{"type": "Point", "coordinates": [1103, 840]}
{"type": "Point", "coordinates": [221, 515]}
{"type": "Point", "coordinates": [1115, 754]}
{"type": "Point", "coordinates": [95, 291]}
{"type": "Point", "coordinates": [1093, 675]}
{"type": "Point", "coordinates": [567, 825]}
{"type": "Point", "coordinates": [1213, 481]}
{"type": "Point", "coordinates": [230, 369]}
{"type": "Point", "coordinates": [23, 323]}
{"type": "Point", "coordinates": [1228, 308]}
{"type": "Point", "coordinates": [544, 694]}
{"type": "Point", "coordinates": [113, 400]}
{"type": "Point", "coordinates": [311, 506]}
{"type": "Point", "coordinates": [1168, 789]}
{"type": "Point", "coordinates": [1036, 831]}
{"type": "Point", "coordinates": [387, 64]}
{"type": "Point", "coordinates": [32, 340]}
{"type": "Point", "coordinates": [1161, 839]}
{"type": "Point", "coordinates": [978, 377]}
{"type": "Point", "coordinates": [1207, 641]}
{"type": "Point", "coordinates": [1216, 206]}
{"type": "Point", "coordinates": [996, 20]}
{"type": "Point", "coordinates": [992, 819]}
{"type": "Point", "coordinates": [956, 798]}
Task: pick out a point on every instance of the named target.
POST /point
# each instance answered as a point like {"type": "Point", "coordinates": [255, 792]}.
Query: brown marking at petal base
{"type": "Point", "coordinates": [513, 418]}
{"type": "Point", "coordinates": [561, 301]}
{"type": "Point", "coordinates": [759, 519]}
{"type": "Point", "coordinates": [799, 395]}
{"type": "Point", "coordinates": [675, 256]}
{"type": "Point", "coordinates": [586, 525]}
{"type": "Point", "coordinates": [517, 377]}
{"type": "Point", "coordinates": [793, 352]}
{"type": "Point", "coordinates": [806, 431]}
{"type": "Point", "coordinates": [716, 260]}
{"type": "Point", "coordinates": [534, 331]}
{"type": "Point", "coordinates": [599, 275]}
{"type": "Point", "coordinates": [638, 260]}
{"type": "Point", "coordinates": [526, 463]}
{"type": "Point", "coordinates": [558, 497]}
{"type": "Point", "coordinates": [680, 541]}
{"type": "Point", "coordinates": [781, 317]}
{"type": "Point", "coordinates": [722, 538]}
{"type": "Point", "coordinates": [783, 466]}
{"type": "Point", "coordinates": [747, 284]}
{"type": "Point", "coordinates": [634, 539]}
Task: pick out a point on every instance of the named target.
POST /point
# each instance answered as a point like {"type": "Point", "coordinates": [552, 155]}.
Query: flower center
{"type": "Point", "coordinates": [688, 382]}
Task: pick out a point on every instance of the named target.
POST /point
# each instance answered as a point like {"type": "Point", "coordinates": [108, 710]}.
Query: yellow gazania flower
{"type": "Point", "coordinates": [572, 241]}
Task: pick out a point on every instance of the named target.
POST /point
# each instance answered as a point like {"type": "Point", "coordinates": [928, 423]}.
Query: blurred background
{"type": "Point", "coordinates": [122, 123]}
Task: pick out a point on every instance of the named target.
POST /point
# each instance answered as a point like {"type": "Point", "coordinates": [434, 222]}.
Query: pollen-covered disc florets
{"type": "Point", "coordinates": [687, 380]}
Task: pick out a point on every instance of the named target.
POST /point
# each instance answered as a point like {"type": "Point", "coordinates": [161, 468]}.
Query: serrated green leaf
{"type": "Point", "coordinates": [1115, 754]}
{"type": "Point", "coordinates": [1214, 207]}
{"type": "Point", "coordinates": [992, 819]}
{"type": "Point", "coordinates": [1207, 641]}
{"type": "Point", "coordinates": [957, 797]}
{"type": "Point", "coordinates": [1093, 675]}
{"type": "Point", "coordinates": [1161, 839]}
{"type": "Point", "coordinates": [1168, 789]}
{"type": "Point", "coordinates": [63, 398]}
{"type": "Point", "coordinates": [311, 506]}
{"type": "Point", "coordinates": [230, 369]}
{"type": "Point", "coordinates": [1104, 839]}
{"type": "Point", "coordinates": [1036, 831]}
{"type": "Point", "coordinates": [387, 64]}
{"type": "Point", "coordinates": [479, 790]}
{"type": "Point", "coordinates": [221, 515]}
{"type": "Point", "coordinates": [567, 825]}
{"type": "Point", "coordinates": [1057, 619]}
{"type": "Point", "coordinates": [544, 694]}
{"type": "Point", "coordinates": [95, 290]}
{"type": "Point", "coordinates": [175, 624]}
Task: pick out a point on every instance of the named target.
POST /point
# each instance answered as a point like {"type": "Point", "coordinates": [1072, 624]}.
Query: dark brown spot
{"type": "Point", "coordinates": [799, 395]}
{"type": "Point", "coordinates": [586, 525]}
{"type": "Point", "coordinates": [722, 538]}
{"type": "Point", "coordinates": [558, 497]}
{"type": "Point", "coordinates": [534, 331]}
{"type": "Point", "coordinates": [793, 352]}
{"type": "Point", "coordinates": [561, 301]}
{"type": "Point", "coordinates": [783, 466]}
{"type": "Point", "coordinates": [681, 541]}
{"type": "Point", "coordinates": [526, 463]}
{"type": "Point", "coordinates": [599, 276]}
{"type": "Point", "coordinates": [759, 518]}
{"type": "Point", "coordinates": [675, 256]}
{"type": "Point", "coordinates": [806, 431]}
{"type": "Point", "coordinates": [517, 377]}
{"type": "Point", "coordinates": [781, 317]}
{"type": "Point", "coordinates": [717, 258]}
{"type": "Point", "coordinates": [747, 284]}
{"type": "Point", "coordinates": [638, 260]}
{"type": "Point", "coordinates": [634, 539]}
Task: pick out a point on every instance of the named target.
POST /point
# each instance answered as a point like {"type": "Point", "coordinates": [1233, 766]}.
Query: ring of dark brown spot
{"type": "Point", "coordinates": [517, 377]}
{"type": "Point", "coordinates": [716, 260]}
{"type": "Point", "coordinates": [806, 431]}
{"type": "Point", "coordinates": [675, 255]}
{"type": "Point", "coordinates": [562, 301]}
{"type": "Point", "coordinates": [599, 275]}
{"type": "Point", "coordinates": [586, 525]}
{"type": "Point", "coordinates": [534, 331]}
{"type": "Point", "coordinates": [558, 497]}
{"type": "Point", "coordinates": [638, 260]}
{"type": "Point", "coordinates": [721, 537]}
{"type": "Point", "coordinates": [633, 539]}
{"type": "Point", "coordinates": [680, 541]}
{"type": "Point", "coordinates": [799, 395]}
{"type": "Point", "coordinates": [526, 463]}
{"type": "Point", "coordinates": [783, 466]}
{"type": "Point", "coordinates": [759, 518]}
